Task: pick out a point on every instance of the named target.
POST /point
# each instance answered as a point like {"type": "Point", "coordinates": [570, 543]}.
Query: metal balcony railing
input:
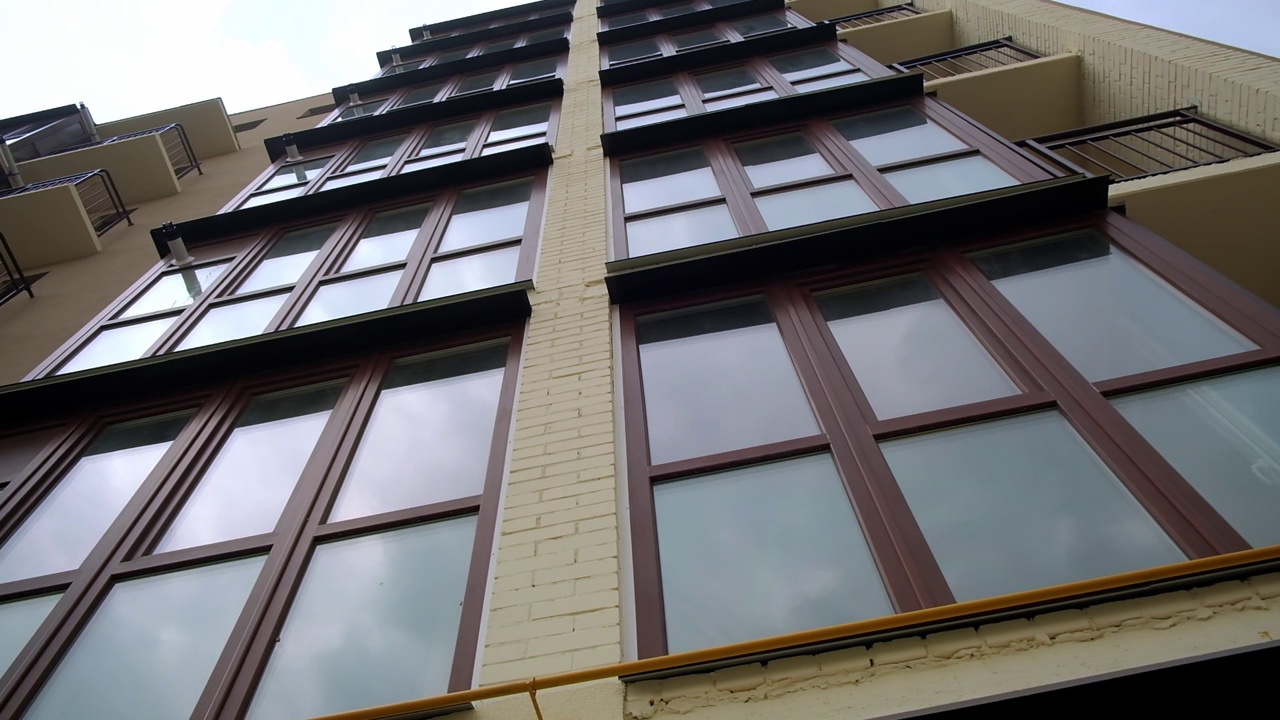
{"type": "Point", "coordinates": [872, 17]}
{"type": "Point", "coordinates": [176, 145]}
{"type": "Point", "coordinates": [1148, 145]}
{"type": "Point", "coordinates": [98, 195]}
{"type": "Point", "coordinates": [972, 58]}
{"type": "Point", "coordinates": [13, 281]}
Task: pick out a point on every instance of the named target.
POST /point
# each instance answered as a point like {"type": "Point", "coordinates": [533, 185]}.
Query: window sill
{"type": "Point", "coordinates": [716, 54]}
{"type": "Point", "coordinates": [679, 22]}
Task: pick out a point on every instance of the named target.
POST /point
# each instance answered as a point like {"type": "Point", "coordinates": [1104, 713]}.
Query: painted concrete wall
{"type": "Point", "coordinates": [206, 124]}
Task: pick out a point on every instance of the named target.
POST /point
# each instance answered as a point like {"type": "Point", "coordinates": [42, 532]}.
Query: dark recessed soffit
{"type": "Point", "coordinates": [687, 20]}
{"type": "Point", "coordinates": [426, 47]}
{"type": "Point", "coordinates": [716, 54]}
{"type": "Point", "coordinates": [415, 33]}
{"type": "Point", "coordinates": [213, 228]}
{"type": "Point", "coordinates": [374, 86]}
{"type": "Point", "coordinates": [166, 375]}
{"type": "Point", "coordinates": [763, 114]}
{"type": "Point", "coordinates": [40, 115]}
{"type": "Point", "coordinates": [858, 239]}
{"type": "Point", "coordinates": [416, 115]}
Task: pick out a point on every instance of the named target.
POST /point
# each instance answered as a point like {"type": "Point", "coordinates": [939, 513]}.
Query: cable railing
{"type": "Point", "coordinates": [873, 17]}
{"type": "Point", "coordinates": [1147, 145]}
{"type": "Point", "coordinates": [98, 194]}
{"type": "Point", "coordinates": [174, 139]}
{"type": "Point", "coordinates": [972, 58]}
{"type": "Point", "coordinates": [13, 282]}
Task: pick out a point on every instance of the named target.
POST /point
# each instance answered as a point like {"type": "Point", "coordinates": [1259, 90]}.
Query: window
{"type": "Point", "coordinates": [938, 430]}
{"type": "Point", "coordinates": [488, 47]}
{"type": "Point", "coordinates": [751, 81]}
{"type": "Point", "coordinates": [723, 189]}
{"type": "Point", "coordinates": [405, 151]}
{"type": "Point", "coordinates": [198, 610]}
{"type": "Point", "coordinates": [665, 11]}
{"type": "Point", "coordinates": [455, 242]}
{"type": "Point", "coordinates": [687, 40]}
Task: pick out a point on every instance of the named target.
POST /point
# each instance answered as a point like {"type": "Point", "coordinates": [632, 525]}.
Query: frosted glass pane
{"type": "Point", "coordinates": [718, 380]}
{"type": "Point", "coordinates": [1223, 436]}
{"type": "Point", "coordinates": [288, 258]}
{"type": "Point", "coordinates": [248, 483]}
{"type": "Point", "coordinates": [117, 344]}
{"type": "Point", "coordinates": [1022, 503]}
{"type": "Point", "coordinates": [894, 135]}
{"type": "Point", "coordinates": [18, 622]}
{"type": "Point", "coordinates": [344, 298]}
{"type": "Point", "coordinates": [949, 178]}
{"type": "Point", "coordinates": [667, 179]}
{"type": "Point", "coordinates": [488, 214]}
{"type": "Point", "coordinates": [175, 290]}
{"type": "Point", "coordinates": [388, 238]}
{"type": "Point", "coordinates": [813, 204]}
{"type": "Point", "coordinates": [429, 437]}
{"type": "Point", "coordinates": [908, 350]}
{"type": "Point", "coordinates": [375, 622]}
{"type": "Point", "coordinates": [233, 321]}
{"type": "Point", "coordinates": [147, 652]}
{"type": "Point", "coordinates": [472, 272]}
{"type": "Point", "coordinates": [680, 230]}
{"type": "Point", "coordinates": [762, 551]}
{"type": "Point", "coordinates": [66, 525]}
{"type": "Point", "coordinates": [1107, 314]}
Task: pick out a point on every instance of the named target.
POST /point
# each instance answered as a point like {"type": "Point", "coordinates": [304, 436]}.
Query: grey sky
{"type": "Point", "coordinates": [1249, 24]}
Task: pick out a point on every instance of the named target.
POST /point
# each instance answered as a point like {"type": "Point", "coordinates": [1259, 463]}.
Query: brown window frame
{"type": "Point", "coordinates": [737, 190]}
{"type": "Point", "coordinates": [851, 432]}
{"type": "Point", "coordinates": [724, 29]}
{"type": "Point", "coordinates": [122, 552]}
{"type": "Point", "coordinates": [652, 14]}
{"type": "Point", "coordinates": [509, 20]}
{"type": "Point", "coordinates": [520, 39]}
{"type": "Point", "coordinates": [244, 254]}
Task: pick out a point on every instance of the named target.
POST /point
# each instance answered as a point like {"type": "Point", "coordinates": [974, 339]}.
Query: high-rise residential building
{"type": "Point", "coordinates": [712, 359]}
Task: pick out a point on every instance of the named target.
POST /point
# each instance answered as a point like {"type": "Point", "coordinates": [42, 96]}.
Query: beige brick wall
{"type": "Point", "coordinates": [554, 604]}
{"type": "Point", "coordinates": [1130, 69]}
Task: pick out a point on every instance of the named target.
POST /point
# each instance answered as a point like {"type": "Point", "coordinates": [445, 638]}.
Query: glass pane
{"type": "Point", "coordinates": [534, 70]}
{"type": "Point", "coordinates": [388, 238]}
{"type": "Point", "coordinates": [759, 24]}
{"type": "Point", "coordinates": [148, 650]}
{"type": "Point", "coordinates": [645, 96]}
{"type": "Point", "coordinates": [288, 258]}
{"type": "Point", "coordinates": [718, 379]}
{"type": "Point", "coordinates": [376, 153]}
{"type": "Point", "coordinates": [336, 182]}
{"type": "Point", "coordinates": [894, 135]}
{"type": "Point", "coordinates": [430, 435]}
{"type": "Point", "coordinates": [1022, 503]}
{"type": "Point", "coordinates": [781, 159]}
{"type": "Point", "coordinates": [18, 622]}
{"type": "Point", "coordinates": [343, 298]}
{"type": "Point", "coordinates": [949, 178]}
{"type": "Point", "coordinates": [248, 483]}
{"type": "Point", "coordinates": [430, 162]}
{"type": "Point", "coordinates": [503, 147]}
{"type": "Point", "coordinates": [488, 214]}
{"type": "Point", "coordinates": [618, 21]}
{"type": "Point", "coordinates": [1107, 314]}
{"type": "Point", "coordinates": [519, 122]}
{"type": "Point", "coordinates": [422, 94]}
{"type": "Point", "coordinates": [446, 138]}
{"type": "Point", "coordinates": [812, 204]}
{"type": "Point", "coordinates": [297, 173]}
{"type": "Point", "coordinates": [233, 321]}
{"type": "Point", "coordinates": [355, 111]}
{"type": "Point", "coordinates": [1223, 436]}
{"type": "Point", "coordinates": [277, 196]}
{"type": "Point", "coordinates": [638, 120]}
{"type": "Point", "coordinates": [808, 64]}
{"type": "Point", "coordinates": [667, 179]}
{"type": "Point", "coordinates": [787, 551]}
{"type": "Point", "coordinates": [451, 55]}
{"type": "Point", "coordinates": [545, 35]}
{"type": "Point", "coordinates": [831, 81]}
{"type": "Point", "coordinates": [680, 230]}
{"type": "Point", "coordinates": [475, 83]}
{"type": "Point", "coordinates": [720, 82]}
{"type": "Point", "coordinates": [70, 520]}
{"type": "Point", "coordinates": [497, 46]}
{"type": "Point", "coordinates": [175, 289]}
{"type": "Point", "coordinates": [633, 51]}
{"type": "Point", "coordinates": [681, 9]}
{"type": "Point", "coordinates": [472, 272]}
{"type": "Point", "coordinates": [17, 451]}
{"type": "Point", "coordinates": [696, 39]}
{"type": "Point", "coordinates": [375, 622]}
{"type": "Point", "coordinates": [738, 100]}
{"type": "Point", "coordinates": [908, 349]}
{"type": "Point", "coordinates": [117, 344]}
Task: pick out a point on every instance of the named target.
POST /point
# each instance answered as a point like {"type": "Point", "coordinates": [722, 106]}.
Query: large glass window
{"type": "Point", "coordinates": [656, 46]}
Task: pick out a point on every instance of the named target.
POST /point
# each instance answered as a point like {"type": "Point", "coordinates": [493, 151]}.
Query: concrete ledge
{"type": "Point", "coordinates": [905, 38]}
{"type": "Point", "coordinates": [1026, 99]}
{"type": "Point", "coordinates": [206, 122]}
{"type": "Point", "coordinates": [48, 226]}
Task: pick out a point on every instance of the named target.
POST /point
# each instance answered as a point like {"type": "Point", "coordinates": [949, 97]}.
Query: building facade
{"type": "Point", "coordinates": [720, 358]}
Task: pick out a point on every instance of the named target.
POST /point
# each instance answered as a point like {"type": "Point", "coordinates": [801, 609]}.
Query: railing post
{"type": "Point", "coordinates": [10, 262]}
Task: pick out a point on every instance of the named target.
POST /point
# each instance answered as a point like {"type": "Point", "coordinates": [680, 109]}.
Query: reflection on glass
{"type": "Point", "coordinates": [1022, 503]}
{"type": "Point", "coordinates": [270, 197]}
{"type": "Point", "coordinates": [448, 138]}
{"type": "Point", "coordinates": [488, 214]}
{"type": "Point", "coordinates": [336, 181]}
{"type": "Point", "coordinates": [376, 153]}
{"type": "Point", "coordinates": [636, 18]}
{"type": "Point", "coordinates": [1223, 436]}
{"type": "Point", "coordinates": [519, 122]}
{"type": "Point", "coordinates": [714, 84]}
{"type": "Point", "coordinates": [355, 111]}
{"type": "Point", "coordinates": [808, 64]}
{"type": "Point", "coordinates": [645, 96]}
{"type": "Point", "coordinates": [175, 289]}
{"type": "Point", "coordinates": [233, 321]}
{"type": "Point", "coordinates": [147, 652]}
{"type": "Point", "coordinates": [1106, 313]}
{"type": "Point", "coordinates": [296, 173]}
{"type": "Point", "coordinates": [534, 70]}
{"type": "Point", "coordinates": [667, 179]}
{"type": "Point", "coordinates": [686, 228]}
{"type": "Point", "coordinates": [949, 178]}
{"type": "Point", "coordinates": [545, 35]}
{"type": "Point", "coordinates": [388, 238]}
{"type": "Point", "coordinates": [69, 521]}
{"type": "Point", "coordinates": [422, 94]}
{"type": "Point", "coordinates": [762, 551]}
{"type": "Point", "coordinates": [430, 434]}
{"type": "Point", "coordinates": [780, 159]}
{"type": "Point", "coordinates": [696, 39]}
{"type": "Point", "coordinates": [117, 344]}
{"type": "Point", "coordinates": [831, 81]}
{"type": "Point", "coordinates": [17, 451]}
{"type": "Point", "coordinates": [471, 272]}
{"type": "Point", "coordinates": [673, 10]}
{"type": "Point", "coordinates": [344, 298]}
{"type": "Point", "coordinates": [902, 133]}
{"type": "Point", "coordinates": [18, 622]}
{"type": "Point", "coordinates": [288, 258]}
{"type": "Point", "coordinates": [627, 52]}
{"type": "Point", "coordinates": [497, 46]}
{"type": "Point", "coordinates": [814, 203]}
{"type": "Point", "coordinates": [451, 55]}
{"type": "Point", "coordinates": [246, 486]}
{"type": "Point", "coordinates": [638, 120]}
{"type": "Point", "coordinates": [738, 100]}
{"type": "Point", "coordinates": [718, 379]}
{"type": "Point", "coordinates": [375, 622]}
{"type": "Point", "coordinates": [759, 24]}
{"type": "Point", "coordinates": [476, 83]}
{"type": "Point", "coordinates": [908, 350]}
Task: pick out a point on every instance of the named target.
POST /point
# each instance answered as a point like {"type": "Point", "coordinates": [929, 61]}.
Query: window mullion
{"type": "Point", "coordinates": [427, 240]}
{"type": "Point", "coordinates": [305, 286]}
{"type": "Point", "coordinates": [871, 180]}
{"type": "Point", "coordinates": [734, 187]}
{"type": "Point", "coordinates": [689, 94]}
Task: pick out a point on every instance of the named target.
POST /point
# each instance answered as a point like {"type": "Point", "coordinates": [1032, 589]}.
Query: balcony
{"type": "Point", "coordinates": [144, 165]}
{"type": "Point", "coordinates": [13, 282]}
{"type": "Point", "coordinates": [206, 124]}
{"type": "Point", "coordinates": [62, 218]}
{"type": "Point", "coordinates": [973, 58]}
{"type": "Point", "coordinates": [872, 17]}
{"type": "Point", "coordinates": [903, 34]}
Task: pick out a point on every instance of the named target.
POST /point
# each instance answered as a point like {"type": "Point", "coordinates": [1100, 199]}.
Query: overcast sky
{"type": "Point", "coordinates": [251, 53]}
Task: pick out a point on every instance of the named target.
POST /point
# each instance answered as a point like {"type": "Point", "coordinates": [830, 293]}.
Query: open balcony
{"type": "Point", "coordinates": [62, 218]}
